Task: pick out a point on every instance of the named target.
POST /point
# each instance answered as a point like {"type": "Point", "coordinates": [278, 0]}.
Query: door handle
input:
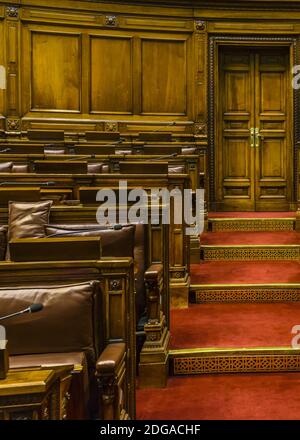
{"type": "Point", "coordinates": [252, 137]}
{"type": "Point", "coordinates": [258, 136]}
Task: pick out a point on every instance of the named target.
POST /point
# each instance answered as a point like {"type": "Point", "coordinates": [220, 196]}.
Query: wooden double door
{"type": "Point", "coordinates": [254, 129]}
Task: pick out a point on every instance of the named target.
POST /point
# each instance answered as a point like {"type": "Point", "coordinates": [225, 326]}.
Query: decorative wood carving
{"type": "Point", "coordinates": [200, 25]}
{"type": "Point", "coordinates": [200, 128]}
{"type": "Point", "coordinates": [111, 126]}
{"type": "Point", "coordinates": [111, 20]}
{"type": "Point", "coordinates": [12, 12]}
{"type": "Point", "coordinates": [13, 125]}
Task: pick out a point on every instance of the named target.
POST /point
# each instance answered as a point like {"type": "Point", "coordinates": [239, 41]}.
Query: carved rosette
{"type": "Point", "coordinates": [111, 126]}
{"type": "Point", "coordinates": [13, 125]}
{"type": "Point", "coordinates": [12, 11]}
{"type": "Point", "coordinates": [111, 20]}
{"type": "Point", "coordinates": [200, 25]}
{"type": "Point", "coordinates": [200, 128]}
{"type": "Point", "coordinates": [115, 285]}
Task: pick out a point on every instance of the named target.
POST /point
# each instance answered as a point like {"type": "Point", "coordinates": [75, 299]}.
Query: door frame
{"type": "Point", "coordinates": [215, 41]}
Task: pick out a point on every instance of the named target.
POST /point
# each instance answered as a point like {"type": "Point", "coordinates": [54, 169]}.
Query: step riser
{"type": "Point", "coordinates": [219, 253]}
{"type": "Point", "coordinates": [241, 363]}
{"type": "Point", "coordinates": [251, 225]}
{"type": "Point", "coordinates": [250, 294]}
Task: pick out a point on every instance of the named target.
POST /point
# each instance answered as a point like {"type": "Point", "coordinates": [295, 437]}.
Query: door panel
{"type": "Point", "coordinates": [253, 173]}
{"type": "Point", "coordinates": [273, 188]}
{"type": "Point", "coordinates": [234, 158]}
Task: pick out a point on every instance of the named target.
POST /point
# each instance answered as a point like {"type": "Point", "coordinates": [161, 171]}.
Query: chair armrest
{"type": "Point", "coordinates": [110, 359]}
{"type": "Point", "coordinates": [154, 286]}
{"type": "Point", "coordinates": [110, 369]}
{"type": "Point", "coordinates": [154, 272]}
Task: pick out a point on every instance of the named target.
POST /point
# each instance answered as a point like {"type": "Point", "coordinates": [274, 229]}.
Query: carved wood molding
{"type": "Point", "coordinates": [13, 124]}
{"type": "Point", "coordinates": [12, 12]}
{"type": "Point", "coordinates": [213, 46]}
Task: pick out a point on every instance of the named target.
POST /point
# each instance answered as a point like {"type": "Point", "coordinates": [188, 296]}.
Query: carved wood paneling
{"type": "Point", "coordinates": [111, 74]}
{"type": "Point", "coordinates": [60, 54]}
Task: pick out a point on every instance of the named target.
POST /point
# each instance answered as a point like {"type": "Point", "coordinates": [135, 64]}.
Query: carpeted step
{"type": "Point", "coordinates": [251, 221]}
{"type": "Point", "coordinates": [245, 281]}
{"type": "Point", "coordinates": [223, 397]}
{"type": "Point", "coordinates": [234, 325]}
{"type": "Point", "coordinates": [250, 245]}
{"type": "Point", "coordinates": [218, 338]}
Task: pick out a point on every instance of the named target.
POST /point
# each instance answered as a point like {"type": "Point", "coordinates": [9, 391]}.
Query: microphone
{"type": "Point", "coordinates": [11, 183]}
{"type": "Point", "coordinates": [169, 156]}
{"type": "Point", "coordinates": [6, 150]}
{"type": "Point", "coordinates": [34, 308]}
{"type": "Point", "coordinates": [116, 227]}
{"type": "Point", "coordinates": [90, 156]}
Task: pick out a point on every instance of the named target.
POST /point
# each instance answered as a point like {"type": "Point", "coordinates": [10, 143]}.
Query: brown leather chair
{"type": "Point", "coordinates": [128, 241]}
{"type": "Point", "coordinates": [68, 331]}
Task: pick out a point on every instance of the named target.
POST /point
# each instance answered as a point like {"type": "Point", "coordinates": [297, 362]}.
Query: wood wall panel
{"type": "Point", "coordinates": [2, 64]}
{"type": "Point", "coordinates": [111, 74]}
{"type": "Point", "coordinates": [164, 76]}
{"type": "Point", "coordinates": [56, 72]}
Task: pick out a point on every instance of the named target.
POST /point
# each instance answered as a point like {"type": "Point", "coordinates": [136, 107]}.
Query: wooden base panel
{"type": "Point", "coordinates": [179, 294]}
{"type": "Point", "coordinates": [154, 362]}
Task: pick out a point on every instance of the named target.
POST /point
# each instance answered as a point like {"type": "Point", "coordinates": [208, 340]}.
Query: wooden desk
{"type": "Point", "coordinates": [35, 394]}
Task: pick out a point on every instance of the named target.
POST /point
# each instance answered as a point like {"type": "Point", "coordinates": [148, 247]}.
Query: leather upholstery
{"type": "Point", "coordinates": [49, 150]}
{"type": "Point", "coordinates": [19, 169]}
{"type": "Point", "coordinates": [114, 243]}
{"type": "Point", "coordinates": [105, 169]}
{"type": "Point", "coordinates": [27, 220]}
{"type": "Point", "coordinates": [95, 168]}
{"type": "Point", "coordinates": [110, 358]}
{"type": "Point", "coordinates": [121, 152]}
{"type": "Point", "coordinates": [173, 169]}
{"type": "Point", "coordinates": [5, 167]}
{"type": "Point", "coordinates": [67, 322]}
{"type": "Point", "coordinates": [188, 150]}
{"type": "Point", "coordinates": [128, 242]}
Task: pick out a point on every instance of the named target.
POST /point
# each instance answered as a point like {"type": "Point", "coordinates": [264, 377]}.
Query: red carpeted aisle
{"type": "Point", "coordinates": [223, 397]}
{"type": "Point", "coordinates": [234, 325]}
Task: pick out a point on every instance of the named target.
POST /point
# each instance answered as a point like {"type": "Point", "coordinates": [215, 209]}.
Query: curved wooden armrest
{"type": "Point", "coordinates": [110, 359]}
{"type": "Point", "coordinates": [154, 272]}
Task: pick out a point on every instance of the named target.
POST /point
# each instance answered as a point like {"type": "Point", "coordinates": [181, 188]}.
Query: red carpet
{"type": "Point", "coordinates": [223, 397]}
{"type": "Point", "coordinates": [245, 272]}
{"type": "Point", "coordinates": [234, 325]}
{"type": "Point", "coordinates": [252, 238]}
{"type": "Point", "coordinates": [252, 215]}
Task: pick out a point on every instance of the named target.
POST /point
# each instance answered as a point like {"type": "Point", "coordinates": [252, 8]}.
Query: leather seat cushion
{"type": "Point", "coordinates": [95, 168]}
{"type": "Point", "coordinates": [19, 169]}
{"type": "Point", "coordinates": [67, 322]}
{"type": "Point", "coordinates": [176, 169]}
{"type": "Point", "coordinates": [6, 167]}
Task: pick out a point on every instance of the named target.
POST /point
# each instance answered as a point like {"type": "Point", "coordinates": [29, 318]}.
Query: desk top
{"type": "Point", "coordinates": [27, 381]}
